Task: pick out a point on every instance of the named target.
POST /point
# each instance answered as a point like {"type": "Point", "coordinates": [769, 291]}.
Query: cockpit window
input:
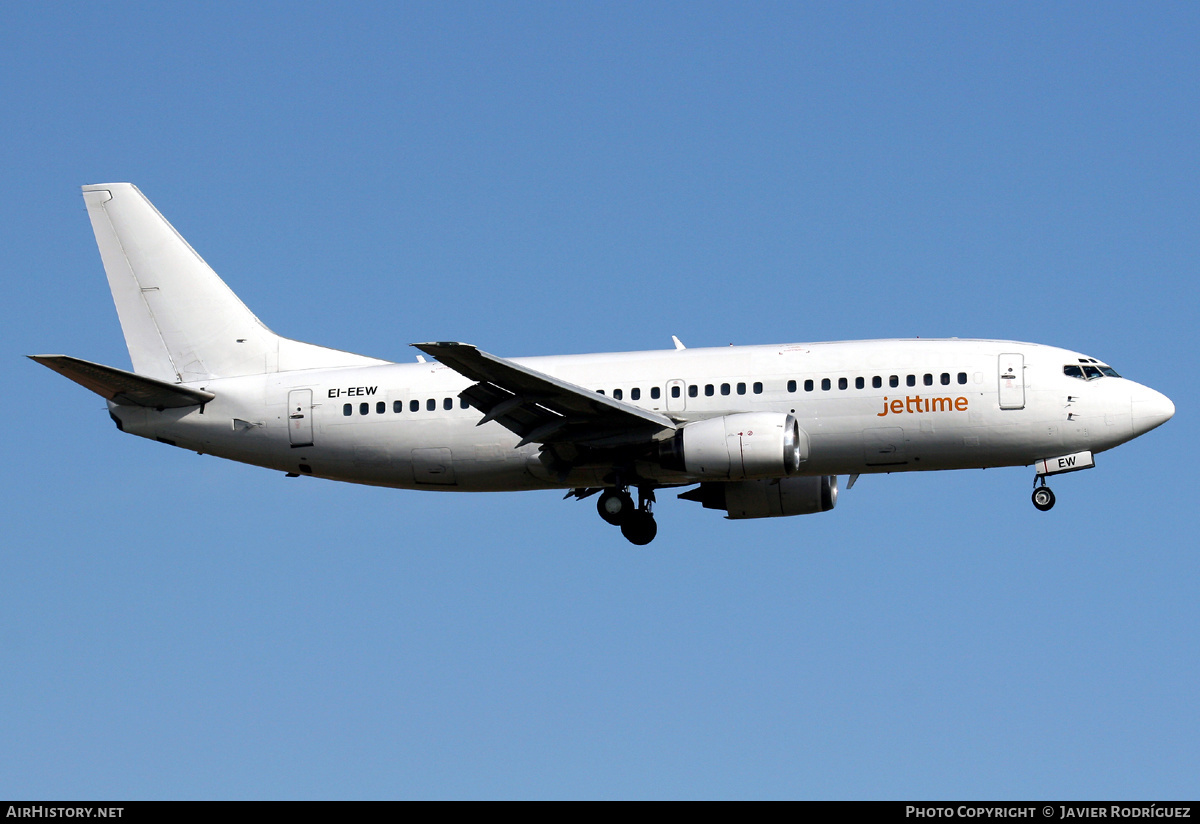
{"type": "Point", "coordinates": [1087, 372]}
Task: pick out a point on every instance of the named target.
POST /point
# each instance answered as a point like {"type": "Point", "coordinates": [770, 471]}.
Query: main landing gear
{"type": "Point", "coordinates": [637, 523]}
{"type": "Point", "coordinates": [1043, 498]}
{"type": "Point", "coordinates": [614, 505]}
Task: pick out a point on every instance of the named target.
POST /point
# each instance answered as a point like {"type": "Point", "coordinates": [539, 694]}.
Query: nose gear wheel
{"type": "Point", "coordinates": [1043, 498]}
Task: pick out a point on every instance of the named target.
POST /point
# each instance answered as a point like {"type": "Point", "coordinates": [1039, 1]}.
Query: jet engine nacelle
{"type": "Point", "coordinates": [734, 447]}
{"type": "Point", "coordinates": [769, 497]}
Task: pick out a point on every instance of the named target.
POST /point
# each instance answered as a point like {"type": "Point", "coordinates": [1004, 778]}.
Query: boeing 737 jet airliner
{"type": "Point", "coordinates": [763, 430]}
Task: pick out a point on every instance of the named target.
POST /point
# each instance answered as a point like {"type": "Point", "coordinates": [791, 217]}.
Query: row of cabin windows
{"type": "Point", "coordinates": [877, 381]}
{"type": "Point", "coordinates": [431, 405]}
{"type": "Point", "coordinates": [709, 389]}
{"type": "Point", "coordinates": [693, 390]}
{"type": "Point", "coordinates": [635, 394]}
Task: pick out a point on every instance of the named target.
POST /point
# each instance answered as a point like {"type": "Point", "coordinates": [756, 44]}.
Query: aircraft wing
{"type": "Point", "coordinates": [541, 408]}
{"type": "Point", "coordinates": [121, 387]}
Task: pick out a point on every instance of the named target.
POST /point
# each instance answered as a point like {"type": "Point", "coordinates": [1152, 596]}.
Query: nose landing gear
{"type": "Point", "coordinates": [1043, 498]}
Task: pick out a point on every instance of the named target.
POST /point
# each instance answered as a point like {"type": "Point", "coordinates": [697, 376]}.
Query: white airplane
{"type": "Point", "coordinates": [763, 430]}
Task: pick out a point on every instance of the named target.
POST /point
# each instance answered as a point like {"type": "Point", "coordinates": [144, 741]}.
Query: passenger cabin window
{"type": "Point", "coordinates": [725, 389]}
{"type": "Point", "coordinates": [364, 408]}
{"type": "Point", "coordinates": [414, 406]}
{"type": "Point", "coordinates": [962, 377]}
{"type": "Point", "coordinates": [675, 393]}
{"type": "Point", "coordinates": [655, 392]}
{"type": "Point", "coordinates": [348, 409]}
{"type": "Point", "coordinates": [380, 408]}
{"type": "Point", "coordinates": [928, 379]}
{"type": "Point", "coordinates": [825, 384]}
{"type": "Point", "coordinates": [741, 389]}
{"type": "Point", "coordinates": [618, 394]}
{"type": "Point", "coordinates": [945, 379]}
{"type": "Point", "coordinates": [709, 390]}
{"type": "Point", "coordinates": [693, 390]}
{"type": "Point", "coordinates": [635, 394]}
{"type": "Point", "coordinates": [894, 381]}
{"type": "Point", "coordinates": [877, 382]}
{"type": "Point", "coordinates": [808, 385]}
{"type": "Point", "coordinates": [448, 404]}
{"type": "Point", "coordinates": [859, 383]}
{"type": "Point", "coordinates": [431, 405]}
{"type": "Point", "coordinates": [397, 406]}
{"type": "Point", "coordinates": [463, 403]}
{"type": "Point", "coordinates": [791, 386]}
{"type": "Point", "coordinates": [843, 383]}
{"type": "Point", "coordinates": [911, 380]}
{"type": "Point", "coordinates": [758, 388]}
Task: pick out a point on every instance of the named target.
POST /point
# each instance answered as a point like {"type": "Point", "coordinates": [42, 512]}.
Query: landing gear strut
{"type": "Point", "coordinates": [1043, 498]}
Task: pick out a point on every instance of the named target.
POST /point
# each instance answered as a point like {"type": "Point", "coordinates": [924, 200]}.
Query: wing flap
{"type": "Point", "coordinates": [121, 387]}
{"type": "Point", "coordinates": [541, 408]}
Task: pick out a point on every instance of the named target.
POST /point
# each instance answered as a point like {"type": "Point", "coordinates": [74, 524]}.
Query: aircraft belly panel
{"type": "Point", "coordinates": [433, 465]}
{"type": "Point", "coordinates": [884, 446]}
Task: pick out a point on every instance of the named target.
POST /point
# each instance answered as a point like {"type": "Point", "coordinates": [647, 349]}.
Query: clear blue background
{"type": "Point", "coordinates": [541, 178]}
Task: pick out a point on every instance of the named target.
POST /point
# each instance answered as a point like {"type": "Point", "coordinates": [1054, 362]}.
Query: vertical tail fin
{"type": "Point", "coordinates": [181, 322]}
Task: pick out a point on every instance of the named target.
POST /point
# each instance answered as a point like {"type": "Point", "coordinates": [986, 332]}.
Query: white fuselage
{"type": "Point", "coordinates": [956, 404]}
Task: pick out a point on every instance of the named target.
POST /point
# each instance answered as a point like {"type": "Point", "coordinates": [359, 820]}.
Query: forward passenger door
{"type": "Point", "coordinates": [1012, 381]}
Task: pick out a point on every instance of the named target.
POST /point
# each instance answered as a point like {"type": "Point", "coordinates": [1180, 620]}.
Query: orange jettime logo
{"type": "Point", "coordinates": [915, 403]}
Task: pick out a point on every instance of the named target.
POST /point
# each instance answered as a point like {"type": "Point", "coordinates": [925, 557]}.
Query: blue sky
{"type": "Point", "coordinates": [575, 177]}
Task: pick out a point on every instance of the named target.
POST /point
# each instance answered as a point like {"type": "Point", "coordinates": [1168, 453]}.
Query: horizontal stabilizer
{"type": "Point", "coordinates": [123, 387]}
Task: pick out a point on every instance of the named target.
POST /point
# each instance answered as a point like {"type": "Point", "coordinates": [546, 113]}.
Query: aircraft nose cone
{"type": "Point", "coordinates": [1150, 409]}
